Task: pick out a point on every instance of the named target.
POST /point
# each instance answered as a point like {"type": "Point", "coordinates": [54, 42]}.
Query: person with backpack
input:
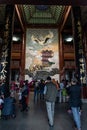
{"type": "Point", "coordinates": [50, 93]}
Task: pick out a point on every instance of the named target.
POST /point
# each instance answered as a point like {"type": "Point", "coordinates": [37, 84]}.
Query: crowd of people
{"type": "Point", "coordinates": [18, 93]}
{"type": "Point", "coordinates": [49, 90]}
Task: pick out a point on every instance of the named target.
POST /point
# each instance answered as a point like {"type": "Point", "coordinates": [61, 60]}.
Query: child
{"type": "Point", "coordinates": [64, 93]}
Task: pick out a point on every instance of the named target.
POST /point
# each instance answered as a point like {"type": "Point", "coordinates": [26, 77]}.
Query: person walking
{"type": "Point", "coordinates": [41, 87]}
{"type": "Point", "coordinates": [50, 93]}
{"type": "Point", "coordinates": [36, 91]}
{"type": "Point", "coordinates": [75, 102]}
{"type": "Point", "coordinates": [25, 93]}
{"type": "Point", "coordinates": [60, 91]}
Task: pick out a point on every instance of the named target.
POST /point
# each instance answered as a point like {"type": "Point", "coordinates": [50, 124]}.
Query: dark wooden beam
{"type": "Point", "coordinates": [67, 30]}
{"type": "Point", "coordinates": [45, 2]}
{"type": "Point", "coordinates": [42, 26]}
{"type": "Point", "coordinates": [19, 17]}
{"type": "Point", "coordinates": [66, 14]}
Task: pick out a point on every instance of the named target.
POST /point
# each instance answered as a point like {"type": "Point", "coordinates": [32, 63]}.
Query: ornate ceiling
{"type": "Point", "coordinates": [49, 15]}
{"type": "Point", "coordinates": [37, 14]}
{"type": "Point", "coordinates": [42, 14]}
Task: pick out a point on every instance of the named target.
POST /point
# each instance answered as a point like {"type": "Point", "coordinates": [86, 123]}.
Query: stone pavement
{"type": "Point", "coordinates": [36, 118]}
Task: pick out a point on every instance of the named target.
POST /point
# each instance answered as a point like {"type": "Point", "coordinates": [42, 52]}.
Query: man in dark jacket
{"type": "Point", "coordinates": [75, 101]}
{"type": "Point", "coordinates": [25, 93]}
{"type": "Point", "coordinates": [50, 92]}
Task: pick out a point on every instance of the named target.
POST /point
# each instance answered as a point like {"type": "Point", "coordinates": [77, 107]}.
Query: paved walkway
{"type": "Point", "coordinates": [36, 118]}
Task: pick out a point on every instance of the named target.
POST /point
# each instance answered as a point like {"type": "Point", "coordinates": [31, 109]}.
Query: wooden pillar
{"type": "Point", "coordinates": [78, 42]}
{"type": "Point", "coordinates": [61, 48]}
{"type": "Point", "coordinates": [22, 69]}
{"type": "Point", "coordinates": [61, 55]}
{"type": "Point", "coordinates": [22, 60]}
{"type": "Point", "coordinates": [6, 49]}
